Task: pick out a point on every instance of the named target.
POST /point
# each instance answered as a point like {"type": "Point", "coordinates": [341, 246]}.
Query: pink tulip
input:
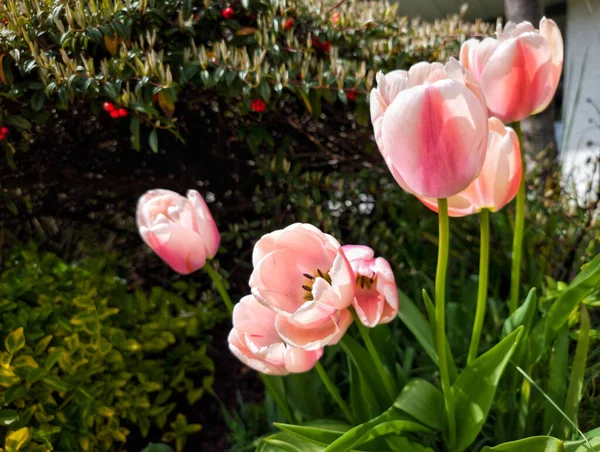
{"type": "Point", "coordinates": [431, 127]}
{"type": "Point", "coordinates": [255, 342]}
{"type": "Point", "coordinates": [519, 70]}
{"type": "Point", "coordinates": [376, 299]}
{"type": "Point", "coordinates": [180, 230]}
{"type": "Point", "coordinates": [303, 275]}
{"type": "Point", "coordinates": [498, 181]}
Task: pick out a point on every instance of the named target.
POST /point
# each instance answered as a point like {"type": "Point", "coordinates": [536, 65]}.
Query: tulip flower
{"type": "Point", "coordinates": [255, 342]}
{"type": "Point", "coordinates": [376, 298]}
{"type": "Point", "coordinates": [519, 70]}
{"type": "Point", "coordinates": [181, 231]}
{"type": "Point", "coordinates": [499, 180]}
{"type": "Point", "coordinates": [303, 275]}
{"type": "Point", "coordinates": [430, 126]}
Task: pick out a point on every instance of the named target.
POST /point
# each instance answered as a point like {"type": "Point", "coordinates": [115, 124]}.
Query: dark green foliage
{"type": "Point", "coordinates": [85, 359]}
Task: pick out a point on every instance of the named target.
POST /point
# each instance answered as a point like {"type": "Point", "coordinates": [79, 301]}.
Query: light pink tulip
{"type": "Point", "coordinates": [498, 181]}
{"type": "Point", "coordinates": [431, 127]}
{"type": "Point", "coordinates": [519, 70]}
{"type": "Point", "coordinates": [376, 299]}
{"type": "Point", "coordinates": [255, 342]}
{"type": "Point", "coordinates": [302, 274]}
{"type": "Point", "coordinates": [180, 230]}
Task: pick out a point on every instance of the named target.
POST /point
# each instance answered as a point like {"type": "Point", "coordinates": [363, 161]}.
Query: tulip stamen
{"type": "Point", "coordinates": [306, 275]}
{"type": "Point", "coordinates": [307, 288]}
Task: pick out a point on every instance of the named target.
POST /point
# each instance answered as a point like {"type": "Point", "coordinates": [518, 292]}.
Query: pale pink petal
{"type": "Point", "coordinates": [551, 33]}
{"type": "Point", "coordinates": [308, 246]}
{"type": "Point", "coordinates": [356, 252]}
{"type": "Point", "coordinates": [264, 246]}
{"type": "Point", "coordinates": [313, 313]}
{"type": "Point", "coordinates": [344, 322]}
{"type": "Point", "coordinates": [342, 281]}
{"type": "Point", "coordinates": [298, 360]}
{"type": "Point", "coordinates": [251, 317]}
{"type": "Point", "coordinates": [517, 77]}
{"type": "Point", "coordinates": [183, 250]}
{"type": "Point", "coordinates": [431, 132]}
{"type": "Point", "coordinates": [475, 54]}
{"type": "Point", "coordinates": [204, 223]}
{"type": "Point", "coordinates": [306, 338]}
{"type": "Point", "coordinates": [277, 282]}
{"type": "Point", "coordinates": [426, 73]}
{"type": "Point", "coordinates": [368, 305]}
{"type": "Point", "coordinates": [459, 73]}
{"type": "Point", "coordinates": [238, 348]}
{"type": "Point", "coordinates": [522, 28]}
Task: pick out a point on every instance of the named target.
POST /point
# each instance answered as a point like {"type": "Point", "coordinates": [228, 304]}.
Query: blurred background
{"type": "Point", "coordinates": [264, 110]}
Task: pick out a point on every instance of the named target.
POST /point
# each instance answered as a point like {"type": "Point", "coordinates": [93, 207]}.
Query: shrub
{"type": "Point", "coordinates": [85, 360]}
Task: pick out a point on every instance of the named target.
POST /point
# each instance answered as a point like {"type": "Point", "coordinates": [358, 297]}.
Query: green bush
{"type": "Point", "coordinates": [85, 359]}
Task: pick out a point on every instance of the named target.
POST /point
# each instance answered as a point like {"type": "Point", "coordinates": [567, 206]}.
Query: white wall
{"type": "Point", "coordinates": [582, 81]}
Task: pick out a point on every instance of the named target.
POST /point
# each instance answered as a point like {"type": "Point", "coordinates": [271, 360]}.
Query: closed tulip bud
{"type": "Point", "coordinates": [376, 299]}
{"type": "Point", "coordinates": [499, 180]}
{"type": "Point", "coordinates": [431, 127]}
{"type": "Point", "coordinates": [181, 231]}
{"type": "Point", "coordinates": [519, 70]}
{"type": "Point", "coordinates": [255, 341]}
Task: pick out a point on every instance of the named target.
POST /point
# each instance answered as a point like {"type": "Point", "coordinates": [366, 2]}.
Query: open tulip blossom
{"type": "Point", "coordinates": [180, 230]}
{"type": "Point", "coordinates": [430, 125]}
{"type": "Point", "coordinates": [518, 71]}
{"type": "Point", "coordinates": [376, 299]}
{"type": "Point", "coordinates": [255, 341]}
{"type": "Point", "coordinates": [499, 180]}
{"type": "Point", "coordinates": [303, 275]}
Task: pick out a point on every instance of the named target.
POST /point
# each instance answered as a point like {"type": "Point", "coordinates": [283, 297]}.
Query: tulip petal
{"type": "Point", "coordinates": [204, 223]}
{"type": "Point", "coordinates": [355, 252]}
{"type": "Point", "coordinates": [298, 360]}
{"type": "Point", "coordinates": [435, 131]}
{"type": "Point", "coordinates": [238, 348]}
{"type": "Point", "coordinates": [306, 338]}
{"type": "Point", "coordinates": [342, 281]}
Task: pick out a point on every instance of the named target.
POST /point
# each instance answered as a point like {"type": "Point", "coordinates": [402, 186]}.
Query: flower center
{"type": "Point", "coordinates": [366, 282]}
{"type": "Point", "coordinates": [311, 280]}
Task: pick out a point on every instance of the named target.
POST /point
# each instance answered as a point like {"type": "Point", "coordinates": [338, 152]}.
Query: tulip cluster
{"type": "Point", "coordinates": [302, 286]}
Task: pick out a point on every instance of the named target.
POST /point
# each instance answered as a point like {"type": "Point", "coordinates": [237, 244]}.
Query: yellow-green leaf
{"type": "Point", "coordinates": [15, 341]}
{"type": "Point", "coordinates": [25, 361]}
{"type": "Point", "coordinates": [16, 440]}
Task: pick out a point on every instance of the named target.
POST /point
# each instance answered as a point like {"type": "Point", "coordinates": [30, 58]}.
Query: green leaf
{"type": "Point", "coordinates": [522, 316]}
{"type": "Point", "coordinates": [422, 400]}
{"type": "Point", "coordinates": [7, 417]}
{"type": "Point", "coordinates": [18, 121]}
{"type": "Point", "coordinates": [38, 99]}
{"type": "Point", "coordinates": [534, 444]}
{"type": "Point", "coordinates": [587, 280]}
{"type": "Point", "coordinates": [157, 447]}
{"type": "Point", "coordinates": [186, 9]}
{"type": "Point", "coordinates": [577, 372]}
{"type": "Point", "coordinates": [134, 127]}
{"type": "Point", "coordinates": [390, 422]}
{"type": "Point", "coordinates": [295, 388]}
{"type": "Point", "coordinates": [55, 383]}
{"type": "Point", "coordinates": [474, 388]}
{"type": "Point", "coordinates": [321, 432]}
{"type": "Point", "coordinates": [15, 441]}
{"type": "Point", "coordinates": [153, 140]}
{"type": "Point", "coordinates": [15, 341]}
{"type": "Point", "coordinates": [287, 442]}
{"type": "Point", "coordinates": [557, 382]}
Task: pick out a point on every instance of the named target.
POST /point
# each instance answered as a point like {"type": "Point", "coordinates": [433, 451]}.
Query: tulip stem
{"type": "Point", "coordinates": [334, 392]}
{"type": "Point", "coordinates": [364, 333]}
{"type": "Point", "coordinates": [484, 262]}
{"type": "Point", "coordinates": [440, 317]}
{"type": "Point", "coordinates": [515, 274]}
{"type": "Point", "coordinates": [220, 286]}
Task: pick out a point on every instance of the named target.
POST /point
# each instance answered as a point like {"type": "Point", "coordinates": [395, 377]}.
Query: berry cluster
{"type": "Point", "coordinates": [113, 111]}
{"type": "Point", "coordinates": [324, 46]}
{"type": "Point", "coordinates": [3, 132]}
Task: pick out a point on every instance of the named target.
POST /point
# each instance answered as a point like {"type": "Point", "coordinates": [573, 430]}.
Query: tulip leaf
{"type": "Point", "coordinates": [474, 389]}
{"type": "Point", "coordinates": [557, 382]}
{"type": "Point", "coordinates": [422, 400]}
{"type": "Point", "coordinates": [390, 422]}
{"type": "Point", "coordinates": [522, 316]}
{"type": "Point", "coordinates": [295, 390]}
{"type": "Point", "coordinates": [322, 432]}
{"type": "Point", "coordinates": [363, 402]}
{"type": "Point", "coordinates": [288, 442]}
{"type": "Point", "coordinates": [534, 444]}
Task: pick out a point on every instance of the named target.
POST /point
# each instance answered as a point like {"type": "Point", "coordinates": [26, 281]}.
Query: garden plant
{"type": "Point", "coordinates": [344, 146]}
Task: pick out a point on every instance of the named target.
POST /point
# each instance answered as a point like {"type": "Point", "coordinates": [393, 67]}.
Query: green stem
{"type": "Point", "coordinates": [515, 274]}
{"type": "Point", "coordinates": [218, 282]}
{"type": "Point", "coordinates": [334, 392]}
{"type": "Point", "coordinates": [364, 333]}
{"type": "Point", "coordinates": [440, 317]}
{"type": "Point", "coordinates": [278, 398]}
{"type": "Point", "coordinates": [484, 262]}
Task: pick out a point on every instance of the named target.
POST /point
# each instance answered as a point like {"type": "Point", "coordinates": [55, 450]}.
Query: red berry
{"type": "Point", "coordinates": [258, 105]}
{"type": "Point", "coordinates": [315, 42]}
{"type": "Point", "coordinates": [351, 95]}
{"type": "Point", "coordinates": [227, 13]}
{"type": "Point", "coordinates": [326, 46]}
{"type": "Point", "coordinates": [122, 112]}
{"type": "Point", "coordinates": [288, 24]}
{"type": "Point", "coordinates": [4, 131]}
{"type": "Point", "coordinates": [114, 114]}
{"type": "Point", "coordinates": [108, 106]}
